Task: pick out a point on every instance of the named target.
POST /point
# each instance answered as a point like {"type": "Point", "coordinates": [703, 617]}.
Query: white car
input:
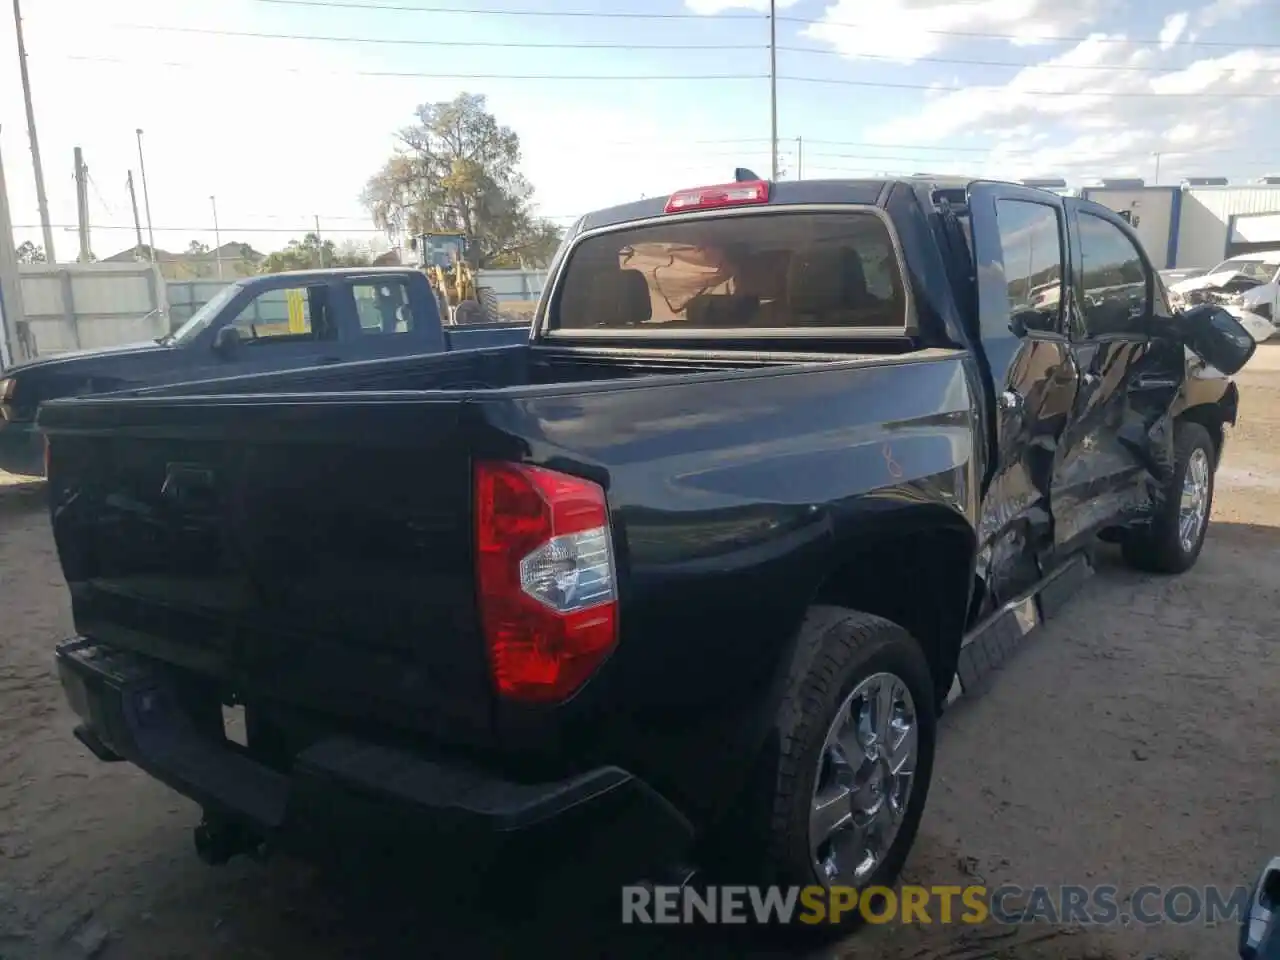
{"type": "Point", "coordinates": [1247, 286]}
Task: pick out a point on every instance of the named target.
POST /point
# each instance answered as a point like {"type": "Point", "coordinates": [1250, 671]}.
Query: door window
{"type": "Point", "coordinates": [1115, 281]}
{"type": "Point", "coordinates": [289, 315]}
{"type": "Point", "coordinates": [383, 306]}
{"type": "Point", "coordinates": [1031, 246]}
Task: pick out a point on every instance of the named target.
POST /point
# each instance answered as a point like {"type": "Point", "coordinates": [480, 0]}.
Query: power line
{"type": "Point", "coordinates": [101, 199]}
{"type": "Point", "coordinates": [593, 14]}
{"type": "Point", "coordinates": [1047, 38]}
{"type": "Point", "coordinates": [1021, 65]}
{"type": "Point", "coordinates": [879, 84]}
{"type": "Point", "coordinates": [519, 45]}
{"type": "Point", "coordinates": [444, 76]}
{"type": "Point", "coordinates": [1127, 94]}
{"type": "Point", "coordinates": [206, 228]}
{"type": "Point", "coordinates": [411, 41]}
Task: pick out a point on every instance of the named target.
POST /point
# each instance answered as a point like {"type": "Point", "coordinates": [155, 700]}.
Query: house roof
{"type": "Point", "coordinates": [232, 250]}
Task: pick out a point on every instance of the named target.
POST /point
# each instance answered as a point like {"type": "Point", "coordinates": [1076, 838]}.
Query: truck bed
{"type": "Point", "coordinates": [305, 539]}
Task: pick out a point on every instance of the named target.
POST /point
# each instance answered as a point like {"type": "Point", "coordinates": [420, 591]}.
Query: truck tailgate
{"type": "Point", "coordinates": [306, 552]}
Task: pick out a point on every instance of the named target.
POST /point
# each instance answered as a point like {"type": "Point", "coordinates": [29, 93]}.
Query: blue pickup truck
{"type": "Point", "coordinates": [260, 324]}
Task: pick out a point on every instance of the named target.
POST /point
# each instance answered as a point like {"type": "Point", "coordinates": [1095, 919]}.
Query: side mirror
{"type": "Point", "coordinates": [1260, 929]}
{"type": "Point", "coordinates": [226, 342]}
{"type": "Point", "coordinates": [1217, 336]}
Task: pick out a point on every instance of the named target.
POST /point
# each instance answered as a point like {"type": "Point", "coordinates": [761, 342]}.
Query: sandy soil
{"type": "Point", "coordinates": [1130, 742]}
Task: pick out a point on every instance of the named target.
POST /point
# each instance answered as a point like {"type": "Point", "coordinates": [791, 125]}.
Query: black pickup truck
{"type": "Point", "coordinates": [267, 323]}
{"type": "Point", "coordinates": [685, 579]}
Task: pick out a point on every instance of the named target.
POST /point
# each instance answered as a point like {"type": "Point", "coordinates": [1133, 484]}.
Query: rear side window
{"type": "Point", "coordinates": [1031, 245]}
{"type": "Point", "coordinates": [768, 271]}
{"type": "Point", "coordinates": [382, 306]}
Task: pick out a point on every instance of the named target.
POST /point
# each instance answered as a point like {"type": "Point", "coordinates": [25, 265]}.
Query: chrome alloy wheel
{"type": "Point", "coordinates": [863, 784]}
{"type": "Point", "coordinates": [1194, 508]}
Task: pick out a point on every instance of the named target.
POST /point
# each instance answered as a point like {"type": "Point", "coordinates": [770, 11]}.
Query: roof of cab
{"type": "Point", "coordinates": [862, 192]}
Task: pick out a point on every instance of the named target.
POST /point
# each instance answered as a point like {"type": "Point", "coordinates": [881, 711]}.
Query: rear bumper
{"type": "Point", "coordinates": [345, 794]}
{"type": "Point", "coordinates": [21, 448]}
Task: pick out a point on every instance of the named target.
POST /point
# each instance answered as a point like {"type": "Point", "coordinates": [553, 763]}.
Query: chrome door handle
{"type": "Point", "coordinates": [1010, 401]}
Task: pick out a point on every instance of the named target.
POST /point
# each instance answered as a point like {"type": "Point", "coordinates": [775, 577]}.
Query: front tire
{"type": "Point", "coordinates": [1172, 542]}
{"type": "Point", "coordinates": [857, 728]}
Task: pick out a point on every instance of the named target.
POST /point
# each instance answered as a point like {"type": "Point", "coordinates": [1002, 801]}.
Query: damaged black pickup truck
{"type": "Point", "coordinates": [684, 580]}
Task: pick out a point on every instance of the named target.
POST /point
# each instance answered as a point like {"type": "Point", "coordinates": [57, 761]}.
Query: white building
{"type": "Point", "coordinates": [1196, 225]}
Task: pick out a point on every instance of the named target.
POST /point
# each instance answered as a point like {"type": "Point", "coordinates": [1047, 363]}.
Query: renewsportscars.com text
{"type": "Point", "coordinates": [1009, 904]}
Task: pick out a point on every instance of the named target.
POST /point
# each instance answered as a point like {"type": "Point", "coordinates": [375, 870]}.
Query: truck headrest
{"type": "Point", "coordinates": [826, 279]}
{"type": "Point", "coordinates": [619, 298]}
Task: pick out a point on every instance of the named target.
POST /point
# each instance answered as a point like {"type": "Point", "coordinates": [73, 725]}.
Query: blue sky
{"type": "Point", "coordinates": [281, 130]}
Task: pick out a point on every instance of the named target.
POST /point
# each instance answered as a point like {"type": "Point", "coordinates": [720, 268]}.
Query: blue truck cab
{"type": "Point", "coordinates": [260, 324]}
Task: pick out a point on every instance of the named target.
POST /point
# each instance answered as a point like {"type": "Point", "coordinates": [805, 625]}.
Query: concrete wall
{"type": "Point", "coordinates": [78, 306]}
{"type": "Point", "coordinates": [1155, 210]}
{"type": "Point", "coordinates": [1206, 212]}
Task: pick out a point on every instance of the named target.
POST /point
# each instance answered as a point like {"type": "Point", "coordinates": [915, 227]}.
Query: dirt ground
{"type": "Point", "coordinates": [1130, 742]}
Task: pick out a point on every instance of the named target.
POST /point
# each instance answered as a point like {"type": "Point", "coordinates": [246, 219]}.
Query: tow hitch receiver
{"type": "Point", "coordinates": [218, 839]}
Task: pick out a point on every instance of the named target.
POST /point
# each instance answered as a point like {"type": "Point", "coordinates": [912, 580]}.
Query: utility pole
{"type": "Point", "coordinates": [146, 198]}
{"type": "Point", "coordinates": [773, 84]}
{"type": "Point", "coordinates": [319, 240]}
{"type": "Point", "coordinates": [799, 158]}
{"type": "Point", "coordinates": [217, 236]}
{"type": "Point", "coordinates": [42, 201]}
{"type": "Point", "coordinates": [1157, 156]}
{"type": "Point", "coordinates": [12, 349]}
{"type": "Point", "coordinates": [82, 205]}
{"type": "Point", "coordinates": [137, 225]}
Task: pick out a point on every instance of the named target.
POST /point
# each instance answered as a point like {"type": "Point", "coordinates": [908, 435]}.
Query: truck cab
{"type": "Point", "coordinates": [259, 324]}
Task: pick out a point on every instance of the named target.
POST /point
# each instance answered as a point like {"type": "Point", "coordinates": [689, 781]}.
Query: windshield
{"type": "Point", "coordinates": [202, 317]}
{"type": "Point", "coordinates": [768, 271]}
{"type": "Point", "coordinates": [1261, 270]}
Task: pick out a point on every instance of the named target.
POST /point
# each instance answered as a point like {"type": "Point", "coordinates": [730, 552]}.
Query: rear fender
{"type": "Point", "coordinates": [921, 577]}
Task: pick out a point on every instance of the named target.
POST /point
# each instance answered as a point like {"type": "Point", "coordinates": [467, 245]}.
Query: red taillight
{"type": "Point", "coordinates": [46, 458]}
{"type": "Point", "coordinates": [544, 565]}
{"type": "Point", "coordinates": [721, 195]}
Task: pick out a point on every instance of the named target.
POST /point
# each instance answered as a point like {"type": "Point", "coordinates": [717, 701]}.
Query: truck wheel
{"type": "Point", "coordinates": [1173, 540]}
{"type": "Point", "coordinates": [856, 731]}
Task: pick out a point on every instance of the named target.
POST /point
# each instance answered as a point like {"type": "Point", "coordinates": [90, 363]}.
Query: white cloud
{"type": "Point", "coordinates": [1221, 11]}
{"type": "Point", "coordinates": [1103, 120]}
{"type": "Point", "coordinates": [910, 29]}
{"type": "Point", "coordinates": [1174, 24]}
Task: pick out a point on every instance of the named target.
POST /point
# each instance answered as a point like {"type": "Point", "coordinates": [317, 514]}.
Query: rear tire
{"type": "Point", "coordinates": [859, 698]}
{"type": "Point", "coordinates": [1172, 542]}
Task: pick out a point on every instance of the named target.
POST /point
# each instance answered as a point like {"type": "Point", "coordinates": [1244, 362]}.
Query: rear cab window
{"type": "Point", "coordinates": [765, 271]}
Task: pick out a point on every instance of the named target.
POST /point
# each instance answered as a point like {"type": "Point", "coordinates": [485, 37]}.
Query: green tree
{"type": "Point", "coordinates": [310, 253]}
{"type": "Point", "coordinates": [456, 171]}
{"type": "Point", "coordinates": [28, 252]}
